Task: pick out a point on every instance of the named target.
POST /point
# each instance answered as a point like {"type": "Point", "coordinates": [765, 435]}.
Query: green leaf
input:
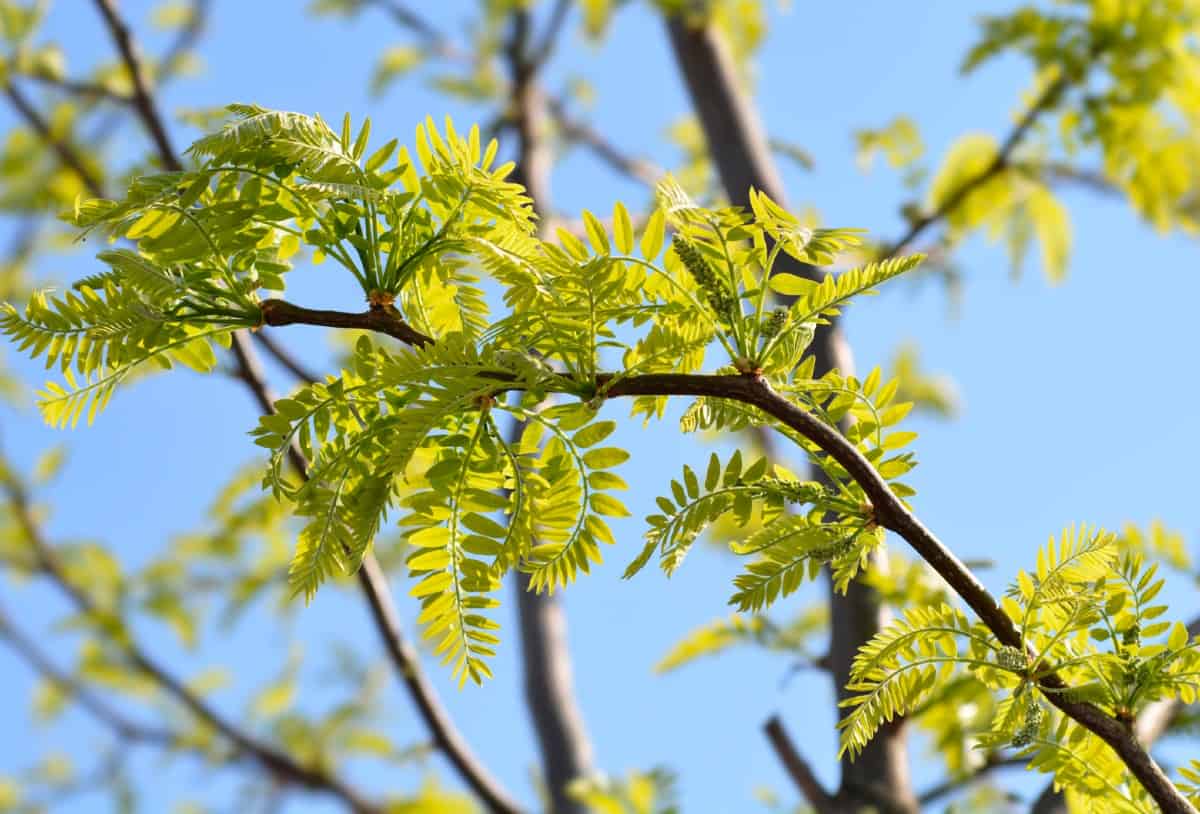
{"type": "Point", "coordinates": [622, 229]}
{"type": "Point", "coordinates": [790, 285]}
{"type": "Point", "coordinates": [654, 235]}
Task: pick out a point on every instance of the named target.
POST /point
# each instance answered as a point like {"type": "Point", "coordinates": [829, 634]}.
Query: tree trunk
{"type": "Point", "coordinates": [546, 661]}
{"type": "Point", "coordinates": [737, 143]}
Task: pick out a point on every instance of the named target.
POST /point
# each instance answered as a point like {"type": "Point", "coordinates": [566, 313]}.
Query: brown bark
{"type": "Point", "coordinates": [741, 152]}
{"type": "Point", "coordinates": [545, 653]}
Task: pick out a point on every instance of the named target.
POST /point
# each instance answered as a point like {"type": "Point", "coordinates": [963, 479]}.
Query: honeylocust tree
{"type": "Point", "coordinates": [485, 312]}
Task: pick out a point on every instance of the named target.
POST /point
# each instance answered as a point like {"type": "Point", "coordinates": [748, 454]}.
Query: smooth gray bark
{"type": "Point", "coordinates": [737, 142]}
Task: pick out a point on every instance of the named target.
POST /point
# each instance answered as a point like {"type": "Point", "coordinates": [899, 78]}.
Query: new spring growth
{"type": "Point", "coordinates": [1030, 727]}
{"type": "Point", "coordinates": [1012, 658]}
{"type": "Point", "coordinates": [793, 491]}
{"type": "Point", "coordinates": [719, 297]}
{"type": "Point", "coordinates": [774, 323]}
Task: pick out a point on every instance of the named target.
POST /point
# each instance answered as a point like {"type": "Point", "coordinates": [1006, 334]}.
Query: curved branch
{"type": "Point", "coordinates": [893, 514]}
{"type": "Point", "coordinates": [65, 152]}
{"type": "Point", "coordinates": [374, 585]}
{"type": "Point", "coordinates": [797, 768]}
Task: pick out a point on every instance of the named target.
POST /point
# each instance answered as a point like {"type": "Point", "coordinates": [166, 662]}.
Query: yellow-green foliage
{"type": "Point", "coordinates": [1085, 614]}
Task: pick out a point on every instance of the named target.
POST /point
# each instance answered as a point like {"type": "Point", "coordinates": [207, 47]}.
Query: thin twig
{"type": "Point", "coordinates": [434, 40]}
{"type": "Point", "coordinates": [123, 727]}
{"type": "Point", "coordinates": [285, 358]}
{"type": "Point", "coordinates": [172, 57]}
{"type": "Point", "coordinates": [370, 576]}
{"type": "Point", "coordinates": [66, 153]}
{"type": "Point", "coordinates": [404, 658]}
{"type": "Point", "coordinates": [540, 53]}
{"type": "Point", "coordinates": [142, 100]}
{"type": "Point", "coordinates": [270, 757]}
{"type": "Point", "coordinates": [81, 88]}
{"type": "Point", "coordinates": [575, 130]}
{"type": "Point", "coordinates": [797, 767]}
{"type": "Point", "coordinates": [1048, 97]}
{"type": "Point", "coordinates": [947, 787]}
{"type": "Point", "coordinates": [640, 170]}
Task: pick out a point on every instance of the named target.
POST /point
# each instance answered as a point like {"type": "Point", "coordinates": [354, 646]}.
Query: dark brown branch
{"type": "Point", "coordinates": [892, 513]}
{"type": "Point", "coordinates": [1151, 724]}
{"type": "Point", "coordinates": [378, 319]}
{"type": "Point", "coordinates": [1156, 719]}
{"type": "Point", "coordinates": [65, 152]}
{"type": "Point", "coordinates": [797, 768]}
{"type": "Point", "coordinates": [278, 763]}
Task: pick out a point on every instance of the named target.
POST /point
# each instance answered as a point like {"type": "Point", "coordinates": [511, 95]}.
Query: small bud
{"type": "Point", "coordinates": [1011, 658]}
{"type": "Point", "coordinates": [774, 323]}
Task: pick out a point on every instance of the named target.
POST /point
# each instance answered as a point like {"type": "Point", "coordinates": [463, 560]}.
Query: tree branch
{"type": "Point", "coordinates": [893, 514]}
{"type": "Point", "coordinates": [374, 585]}
{"type": "Point", "coordinates": [380, 319]}
{"type": "Point", "coordinates": [797, 768]}
{"type": "Point", "coordinates": [124, 728]}
{"type": "Point", "coordinates": [1000, 162]}
{"type": "Point", "coordinates": [540, 53]}
{"type": "Point", "coordinates": [371, 578]}
{"type": "Point", "coordinates": [434, 40]}
{"type": "Point", "coordinates": [65, 152]}
{"type": "Point", "coordinates": [1151, 724]}
{"type": "Point", "coordinates": [947, 787]}
{"type": "Point", "coordinates": [637, 169]}
{"type": "Point", "coordinates": [142, 101]}
{"type": "Point", "coordinates": [80, 88]}
{"type": "Point", "coordinates": [566, 753]}
{"type": "Point", "coordinates": [278, 763]}
{"type": "Point", "coordinates": [285, 358]}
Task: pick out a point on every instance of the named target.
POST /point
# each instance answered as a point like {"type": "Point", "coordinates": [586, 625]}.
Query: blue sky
{"type": "Point", "coordinates": [1079, 399]}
